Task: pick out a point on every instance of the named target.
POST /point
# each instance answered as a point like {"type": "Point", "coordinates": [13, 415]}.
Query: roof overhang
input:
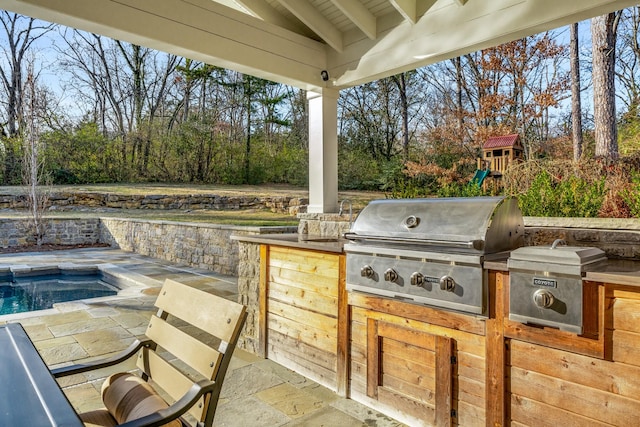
{"type": "Point", "coordinates": [292, 41]}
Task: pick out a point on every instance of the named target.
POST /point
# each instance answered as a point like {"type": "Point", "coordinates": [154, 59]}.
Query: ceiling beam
{"type": "Point", "coordinates": [263, 10]}
{"type": "Point", "coordinates": [461, 2]}
{"type": "Point", "coordinates": [359, 15]}
{"type": "Point", "coordinates": [412, 10]}
{"type": "Point", "coordinates": [423, 6]}
{"type": "Point", "coordinates": [309, 16]}
{"type": "Point", "coordinates": [406, 8]}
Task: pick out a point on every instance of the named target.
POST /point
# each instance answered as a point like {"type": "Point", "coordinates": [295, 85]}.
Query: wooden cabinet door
{"type": "Point", "coordinates": [403, 362]}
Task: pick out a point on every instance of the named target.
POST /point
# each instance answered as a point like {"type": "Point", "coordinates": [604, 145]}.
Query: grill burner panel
{"type": "Point", "coordinates": [450, 285]}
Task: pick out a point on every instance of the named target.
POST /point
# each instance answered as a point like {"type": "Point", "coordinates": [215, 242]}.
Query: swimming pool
{"type": "Point", "coordinates": [23, 290]}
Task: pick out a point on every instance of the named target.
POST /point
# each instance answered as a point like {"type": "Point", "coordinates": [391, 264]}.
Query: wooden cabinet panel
{"type": "Point", "coordinates": [301, 302]}
{"type": "Point", "coordinates": [572, 386]}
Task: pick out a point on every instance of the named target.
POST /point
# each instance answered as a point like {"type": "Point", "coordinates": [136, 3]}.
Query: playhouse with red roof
{"type": "Point", "coordinates": [499, 152]}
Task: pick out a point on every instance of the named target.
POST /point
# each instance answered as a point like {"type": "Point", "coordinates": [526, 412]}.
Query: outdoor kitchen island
{"type": "Point", "coordinates": [424, 365]}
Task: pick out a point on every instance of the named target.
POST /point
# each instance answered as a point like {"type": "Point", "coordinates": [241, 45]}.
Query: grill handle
{"type": "Point", "coordinates": [471, 244]}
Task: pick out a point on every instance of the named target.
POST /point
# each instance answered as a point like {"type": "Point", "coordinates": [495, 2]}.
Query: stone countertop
{"type": "Point", "coordinates": [295, 240]}
{"type": "Point", "coordinates": [618, 271]}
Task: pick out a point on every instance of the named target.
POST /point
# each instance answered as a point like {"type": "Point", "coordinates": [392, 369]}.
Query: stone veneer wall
{"type": "Point", "coordinates": [324, 224]}
{"type": "Point", "coordinates": [207, 246]}
{"type": "Point", "coordinates": [618, 238]}
{"type": "Point", "coordinates": [249, 294]}
{"type": "Point", "coordinates": [77, 231]}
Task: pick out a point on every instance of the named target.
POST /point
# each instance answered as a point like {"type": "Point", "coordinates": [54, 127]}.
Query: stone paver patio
{"type": "Point", "coordinates": [257, 392]}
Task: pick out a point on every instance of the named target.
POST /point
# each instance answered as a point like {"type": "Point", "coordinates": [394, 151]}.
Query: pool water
{"type": "Point", "coordinates": [40, 293]}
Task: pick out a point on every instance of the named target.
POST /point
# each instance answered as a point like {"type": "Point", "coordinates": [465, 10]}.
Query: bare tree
{"type": "Point", "coordinates": [576, 105]}
{"type": "Point", "coordinates": [97, 81]}
{"type": "Point", "coordinates": [603, 34]}
{"type": "Point", "coordinates": [33, 166]}
{"type": "Point", "coordinates": [628, 62]}
{"type": "Point", "coordinates": [21, 33]}
{"type": "Point", "coordinates": [126, 84]}
{"type": "Point", "coordinates": [149, 80]}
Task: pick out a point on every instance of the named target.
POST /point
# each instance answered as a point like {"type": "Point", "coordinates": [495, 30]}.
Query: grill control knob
{"type": "Point", "coordinates": [390, 275]}
{"type": "Point", "coordinates": [447, 283]}
{"type": "Point", "coordinates": [543, 298]}
{"type": "Point", "coordinates": [417, 279]}
{"type": "Point", "coordinates": [367, 271]}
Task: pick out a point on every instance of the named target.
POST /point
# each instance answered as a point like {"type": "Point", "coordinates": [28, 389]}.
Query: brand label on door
{"type": "Point", "coordinates": [547, 283]}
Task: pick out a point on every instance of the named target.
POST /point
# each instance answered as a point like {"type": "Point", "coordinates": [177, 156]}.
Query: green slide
{"type": "Point", "coordinates": [479, 176]}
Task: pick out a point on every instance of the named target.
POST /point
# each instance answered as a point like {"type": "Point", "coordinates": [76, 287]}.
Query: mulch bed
{"type": "Point", "coordinates": [48, 247]}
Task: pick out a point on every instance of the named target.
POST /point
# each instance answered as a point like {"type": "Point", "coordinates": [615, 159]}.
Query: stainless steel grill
{"type": "Point", "coordinates": [431, 251]}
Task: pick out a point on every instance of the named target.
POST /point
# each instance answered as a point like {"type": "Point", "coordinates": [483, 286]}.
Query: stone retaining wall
{"type": "Point", "coordinates": [206, 246]}
{"type": "Point", "coordinates": [16, 232]}
{"type": "Point", "coordinates": [67, 201]}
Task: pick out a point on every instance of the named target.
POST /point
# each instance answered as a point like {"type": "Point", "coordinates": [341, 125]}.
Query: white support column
{"type": "Point", "coordinates": [323, 151]}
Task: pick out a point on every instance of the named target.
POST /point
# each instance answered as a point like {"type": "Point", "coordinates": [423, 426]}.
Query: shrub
{"type": "Point", "coordinates": [631, 195]}
{"type": "Point", "coordinates": [278, 162]}
{"type": "Point", "coordinates": [570, 197]}
{"type": "Point", "coordinates": [456, 189]}
{"type": "Point", "coordinates": [79, 155]}
{"type": "Point", "coordinates": [358, 170]}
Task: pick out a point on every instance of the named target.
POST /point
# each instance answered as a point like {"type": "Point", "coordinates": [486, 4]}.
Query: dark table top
{"type": "Point", "coordinates": [29, 395]}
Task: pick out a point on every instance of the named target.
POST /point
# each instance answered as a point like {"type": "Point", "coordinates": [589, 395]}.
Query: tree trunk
{"type": "Point", "coordinates": [576, 105]}
{"type": "Point", "coordinates": [459, 85]}
{"type": "Point", "coordinates": [401, 81]}
{"type": "Point", "coordinates": [604, 52]}
{"type": "Point", "coordinates": [247, 154]}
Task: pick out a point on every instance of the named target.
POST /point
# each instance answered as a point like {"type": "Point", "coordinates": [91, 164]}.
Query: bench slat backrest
{"type": "Point", "coordinates": [203, 339]}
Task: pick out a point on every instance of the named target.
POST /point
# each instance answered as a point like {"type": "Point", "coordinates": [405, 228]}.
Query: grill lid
{"type": "Point", "coordinates": [557, 253]}
{"type": "Point", "coordinates": [484, 224]}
